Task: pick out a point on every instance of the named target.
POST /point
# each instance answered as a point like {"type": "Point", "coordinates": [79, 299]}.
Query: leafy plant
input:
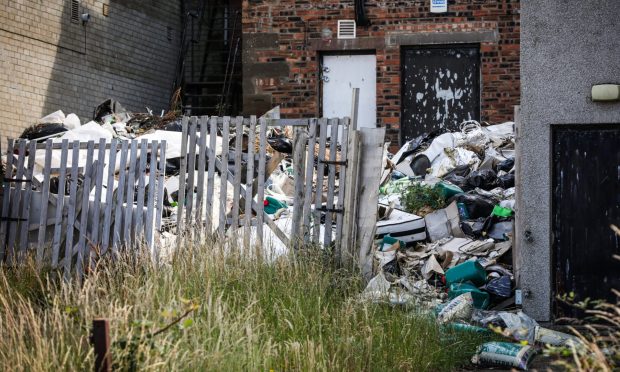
{"type": "Point", "coordinates": [421, 199]}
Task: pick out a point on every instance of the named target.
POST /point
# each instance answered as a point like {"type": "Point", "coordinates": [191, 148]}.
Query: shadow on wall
{"type": "Point", "coordinates": [118, 49]}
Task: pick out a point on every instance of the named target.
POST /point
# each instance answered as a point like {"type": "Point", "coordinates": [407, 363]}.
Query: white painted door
{"type": "Point", "coordinates": [342, 73]}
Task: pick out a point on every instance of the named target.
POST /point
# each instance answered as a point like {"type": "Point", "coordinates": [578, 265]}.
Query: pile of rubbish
{"type": "Point", "coordinates": [444, 237]}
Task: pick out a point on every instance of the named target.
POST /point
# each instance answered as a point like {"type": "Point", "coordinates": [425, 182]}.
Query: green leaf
{"type": "Point", "coordinates": [187, 323]}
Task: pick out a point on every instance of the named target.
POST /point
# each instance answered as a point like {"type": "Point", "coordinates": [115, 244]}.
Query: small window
{"type": "Point", "coordinates": [106, 10]}
{"type": "Point", "coordinates": [75, 11]}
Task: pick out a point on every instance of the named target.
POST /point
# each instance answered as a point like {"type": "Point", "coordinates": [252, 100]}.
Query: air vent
{"type": "Point", "coordinates": [346, 29]}
{"type": "Point", "coordinates": [75, 11]}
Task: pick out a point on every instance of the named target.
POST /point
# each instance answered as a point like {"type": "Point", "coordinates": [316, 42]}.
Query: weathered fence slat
{"type": "Point", "coordinates": [202, 152]}
{"type": "Point", "coordinates": [191, 171]}
{"type": "Point", "coordinates": [342, 181]}
{"type": "Point", "coordinates": [25, 215]}
{"type": "Point", "coordinates": [4, 221]}
{"type": "Point", "coordinates": [320, 170]}
{"type": "Point", "coordinates": [131, 187]}
{"type": "Point", "coordinates": [101, 163]}
{"type": "Point", "coordinates": [309, 175]}
{"type": "Point", "coordinates": [68, 224]}
{"type": "Point", "coordinates": [331, 182]}
{"type": "Point", "coordinates": [223, 175]}
{"type": "Point", "coordinates": [249, 181]}
{"type": "Point", "coordinates": [109, 194]}
{"type": "Point", "coordinates": [182, 173]}
{"type": "Point", "coordinates": [299, 145]}
{"type": "Point", "coordinates": [237, 173]}
{"type": "Point", "coordinates": [82, 244]}
{"type": "Point", "coordinates": [150, 203]}
{"type": "Point", "coordinates": [260, 192]}
{"type": "Point", "coordinates": [139, 224]}
{"type": "Point", "coordinates": [14, 202]}
{"type": "Point", "coordinates": [120, 193]}
{"type": "Point", "coordinates": [211, 173]}
{"type": "Point", "coordinates": [60, 201]}
{"type": "Point", "coordinates": [161, 173]}
{"type": "Point", "coordinates": [44, 204]}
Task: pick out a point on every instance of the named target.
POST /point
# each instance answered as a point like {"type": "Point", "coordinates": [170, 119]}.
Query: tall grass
{"type": "Point", "coordinates": [297, 314]}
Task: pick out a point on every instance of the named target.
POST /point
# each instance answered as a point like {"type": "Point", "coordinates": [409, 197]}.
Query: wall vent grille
{"type": "Point", "coordinates": [346, 29]}
{"type": "Point", "coordinates": [75, 11]}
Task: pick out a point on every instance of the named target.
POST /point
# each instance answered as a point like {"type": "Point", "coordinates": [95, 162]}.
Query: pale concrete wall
{"type": "Point", "coordinates": [566, 47]}
{"type": "Point", "coordinates": [49, 63]}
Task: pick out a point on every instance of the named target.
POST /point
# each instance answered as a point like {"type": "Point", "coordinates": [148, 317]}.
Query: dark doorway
{"type": "Point", "coordinates": [586, 201]}
{"type": "Point", "coordinates": [441, 88]}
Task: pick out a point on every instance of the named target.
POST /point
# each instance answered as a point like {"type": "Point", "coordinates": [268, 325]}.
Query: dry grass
{"type": "Point", "coordinates": [243, 315]}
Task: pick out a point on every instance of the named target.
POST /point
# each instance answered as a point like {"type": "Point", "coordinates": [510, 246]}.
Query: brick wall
{"type": "Point", "coordinates": [282, 46]}
{"type": "Point", "coordinates": [49, 63]}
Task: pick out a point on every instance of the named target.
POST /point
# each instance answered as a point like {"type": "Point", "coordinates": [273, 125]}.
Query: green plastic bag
{"type": "Point", "coordinates": [502, 212]}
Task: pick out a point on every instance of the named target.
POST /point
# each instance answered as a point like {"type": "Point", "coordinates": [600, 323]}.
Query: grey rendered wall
{"type": "Point", "coordinates": [567, 46]}
{"type": "Point", "coordinates": [49, 63]}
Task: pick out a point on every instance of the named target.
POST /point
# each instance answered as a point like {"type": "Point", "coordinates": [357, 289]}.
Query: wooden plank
{"type": "Point", "coordinates": [237, 183]}
{"type": "Point", "coordinates": [120, 198]}
{"type": "Point", "coordinates": [98, 191]}
{"type": "Point", "coordinates": [331, 181]}
{"type": "Point", "coordinates": [68, 223]}
{"type": "Point", "coordinates": [161, 175]}
{"type": "Point", "coordinates": [355, 103]}
{"type": "Point", "coordinates": [342, 181]}
{"type": "Point", "coordinates": [223, 173]}
{"type": "Point", "coordinates": [6, 193]}
{"type": "Point", "coordinates": [347, 250]}
{"type": "Point", "coordinates": [320, 171]}
{"type": "Point", "coordinates": [82, 247]}
{"type": "Point", "coordinates": [14, 203]}
{"type": "Point", "coordinates": [44, 204]}
{"type": "Point", "coordinates": [309, 180]}
{"type": "Point", "coordinates": [139, 224]}
{"type": "Point", "coordinates": [369, 176]}
{"type": "Point", "coordinates": [25, 215]}
{"type": "Point", "coordinates": [191, 171]}
{"type": "Point", "coordinates": [202, 152]}
{"type": "Point", "coordinates": [260, 192]}
{"type": "Point", "coordinates": [249, 196]}
{"type": "Point", "coordinates": [107, 214]}
{"type": "Point", "coordinates": [150, 203]}
{"type": "Point", "coordinates": [131, 187]}
{"type": "Point", "coordinates": [299, 145]}
{"type": "Point", "coordinates": [182, 177]}
{"type": "Point", "coordinates": [60, 202]}
{"type": "Point", "coordinates": [211, 173]}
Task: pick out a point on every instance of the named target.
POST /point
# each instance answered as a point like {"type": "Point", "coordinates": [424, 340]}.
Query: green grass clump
{"type": "Point", "coordinates": [421, 199]}
{"type": "Point", "coordinates": [299, 314]}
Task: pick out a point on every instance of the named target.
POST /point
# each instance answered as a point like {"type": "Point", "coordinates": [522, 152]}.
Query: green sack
{"type": "Point", "coordinates": [272, 205]}
{"type": "Point", "coordinates": [481, 298]}
{"type": "Point", "coordinates": [448, 189]}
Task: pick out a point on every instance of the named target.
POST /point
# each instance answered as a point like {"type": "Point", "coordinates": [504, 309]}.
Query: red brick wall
{"type": "Point", "coordinates": [294, 53]}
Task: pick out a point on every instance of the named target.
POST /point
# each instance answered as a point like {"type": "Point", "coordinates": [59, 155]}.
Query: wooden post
{"type": "Point", "coordinates": [355, 103]}
{"type": "Point", "coordinates": [101, 343]}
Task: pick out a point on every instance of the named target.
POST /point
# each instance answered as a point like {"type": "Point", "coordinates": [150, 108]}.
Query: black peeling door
{"type": "Point", "coordinates": [441, 88]}
{"type": "Point", "coordinates": [586, 201]}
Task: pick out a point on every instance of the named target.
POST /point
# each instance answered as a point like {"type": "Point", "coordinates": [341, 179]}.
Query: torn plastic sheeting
{"type": "Point", "coordinates": [174, 142]}
{"type": "Point", "coordinates": [56, 117]}
{"type": "Point", "coordinates": [377, 288]}
{"type": "Point", "coordinates": [517, 325]}
{"type": "Point", "coordinates": [90, 131]}
{"type": "Point", "coordinates": [452, 158]}
{"type": "Point", "coordinates": [431, 266]}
